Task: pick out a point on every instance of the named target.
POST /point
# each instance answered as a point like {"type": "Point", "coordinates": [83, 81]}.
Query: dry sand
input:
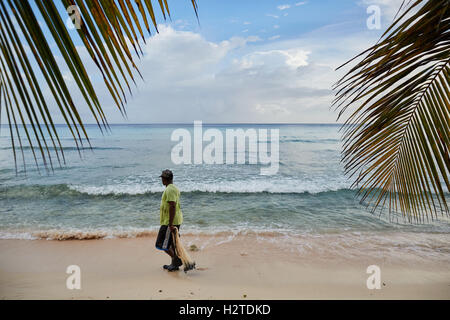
{"type": "Point", "coordinates": [239, 269]}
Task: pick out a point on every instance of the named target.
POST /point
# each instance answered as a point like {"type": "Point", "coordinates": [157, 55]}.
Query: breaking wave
{"type": "Point", "coordinates": [135, 189]}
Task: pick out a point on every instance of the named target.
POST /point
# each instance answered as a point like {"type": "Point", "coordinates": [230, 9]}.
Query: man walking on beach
{"type": "Point", "coordinates": [171, 217]}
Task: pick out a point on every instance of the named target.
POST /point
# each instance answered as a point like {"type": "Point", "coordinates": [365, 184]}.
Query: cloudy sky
{"type": "Point", "coordinates": [248, 61]}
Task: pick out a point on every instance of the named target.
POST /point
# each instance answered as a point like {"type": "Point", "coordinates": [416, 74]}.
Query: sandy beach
{"type": "Point", "coordinates": [239, 269]}
{"type": "Point", "coordinates": [301, 148]}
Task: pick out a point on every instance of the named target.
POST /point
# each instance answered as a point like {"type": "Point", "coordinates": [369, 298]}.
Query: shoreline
{"type": "Point", "coordinates": [242, 268]}
{"type": "Point", "coordinates": [398, 247]}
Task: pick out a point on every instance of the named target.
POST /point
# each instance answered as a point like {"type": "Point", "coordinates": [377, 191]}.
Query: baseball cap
{"type": "Point", "coordinates": [167, 174]}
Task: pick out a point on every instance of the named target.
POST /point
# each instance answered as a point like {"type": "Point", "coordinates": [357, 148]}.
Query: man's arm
{"type": "Point", "coordinates": [172, 211]}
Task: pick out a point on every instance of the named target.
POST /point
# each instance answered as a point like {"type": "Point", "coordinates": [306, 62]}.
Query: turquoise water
{"type": "Point", "coordinates": [114, 190]}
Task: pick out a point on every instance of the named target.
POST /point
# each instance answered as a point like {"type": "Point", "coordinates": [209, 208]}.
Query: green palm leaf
{"type": "Point", "coordinates": [105, 27]}
{"type": "Point", "coordinates": [396, 139]}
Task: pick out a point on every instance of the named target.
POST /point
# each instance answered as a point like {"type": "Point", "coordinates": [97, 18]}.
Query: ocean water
{"type": "Point", "coordinates": [115, 191]}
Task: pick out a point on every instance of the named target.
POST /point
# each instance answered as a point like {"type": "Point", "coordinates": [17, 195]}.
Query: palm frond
{"type": "Point", "coordinates": [396, 139]}
{"type": "Point", "coordinates": [109, 30]}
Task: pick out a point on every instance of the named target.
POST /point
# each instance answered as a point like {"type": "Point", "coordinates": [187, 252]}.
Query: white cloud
{"type": "Point", "coordinates": [301, 3]}
{"type": "Point", "coordinates": [274, 37]}
{"type": "Point", "coordinates": [276, 26]}
{"type": "Point", "coordinates": [246, 23]}
{"type": "Point", "coordinates": [241, 79]}
{"type": "Point", "coordinates": [275, 59]}
{"type": "Point", "coordinates": [284, 7]}
{"type": "Point", "coordinates": [272, 15]}
{"type": "Point", "coordinates": [188, 78]}
{"type": "Point", "coordinates": [181, 24]}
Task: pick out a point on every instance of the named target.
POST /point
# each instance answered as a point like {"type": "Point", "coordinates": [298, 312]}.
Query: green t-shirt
{"type": "Point", "coordinates": [171, 193]}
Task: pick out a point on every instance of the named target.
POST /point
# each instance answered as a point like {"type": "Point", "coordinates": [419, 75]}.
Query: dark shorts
{"type": "Point", "coordinates": [164, 240]}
